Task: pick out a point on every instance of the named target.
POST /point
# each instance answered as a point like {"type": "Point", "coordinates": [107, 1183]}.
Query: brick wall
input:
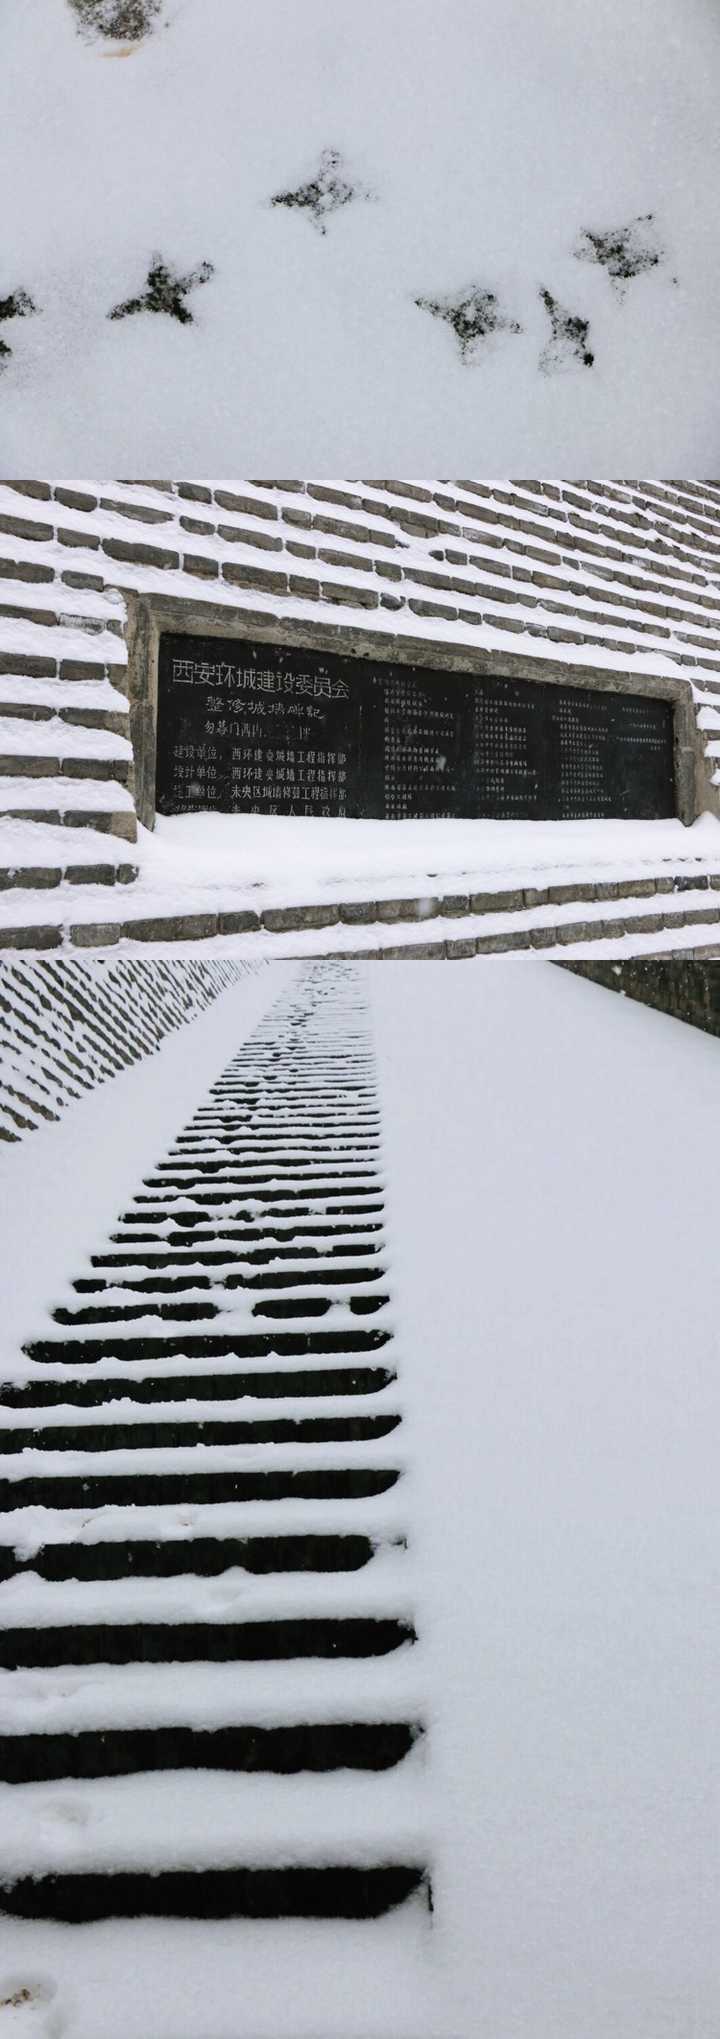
{"type": "Point", "coordinates": [66, 1027]}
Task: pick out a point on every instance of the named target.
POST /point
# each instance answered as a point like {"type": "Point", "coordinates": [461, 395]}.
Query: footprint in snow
{"type": "Point", "coordinates": [568, 343]}
{"type": "Point", "coordinates": [474, 317]}
{"type": "Point", "coordinates": [69, 1812]}
{"type": "Point", "coordinates": [325, 193]}
{"type": "Point", "coordinates": [17, 306]}
{"type": "Point", "coordinates": [29, 2008]}
{"type": "Point", "coordinates": [624, 252]}
{"type": "Point", "coordinates": [123, 21]}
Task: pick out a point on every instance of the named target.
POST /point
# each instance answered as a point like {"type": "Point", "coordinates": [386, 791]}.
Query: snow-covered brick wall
{"type": "Point", "coordinates": [66, 1027]}
{"type": "Point", "coordinates": [622, 575]}
{"type": "Point", "coordinates": [566, 577]}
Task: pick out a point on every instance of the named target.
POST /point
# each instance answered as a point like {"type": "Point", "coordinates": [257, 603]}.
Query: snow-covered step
{"type": "Point", "coordinates": [101, 804]}
{"type": "Point", "coordinates": [50, 1422]}
{"type": "Point", "coordinates": [87, 1488]}
{"type": "Point", "coordinates": [31, 745]}
{"type": "Point", "coordinates": [138, 1536]}
{"type": "Point", "coordinates": [182, 1482]}
{"type": "Point", "coordinates": [183, 1376]}
{"type": "Point", "coordinates": [321, 1845]}
{"type": "Point", "coordinates": [489, 923]}
{"type": "Point", "coordinates": [194, 1278]}
{"type": "Point", "coordinates": [40, 855]}
{"type": "Point", "coordinates": [170, 1433]}
{"type": "Point", "coordinates": [285, 1750]}
{"type": "Point", "coordinates": [180, 1642]}
{"type": "Point", "coordinates": [201, 1556]}
{"type": "Point", "coordinates": [208, 1696]}
{"type": "Point", "coordinates": [373, 1592]}
{"type": "Point", "coordinates": [73, 700]}
{"type": "Point", "coordinates": [336, 1890]}
{"type": "Point", "coordinates": [184, 1822]}
{"type": "Point", "coordinates": [127, 1263]}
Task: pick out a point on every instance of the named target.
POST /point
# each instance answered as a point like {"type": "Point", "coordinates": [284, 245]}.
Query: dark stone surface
{"type": "Point", "coordinates": [687, 991]}
{"type": "Point", "coordinates": [276, 729]}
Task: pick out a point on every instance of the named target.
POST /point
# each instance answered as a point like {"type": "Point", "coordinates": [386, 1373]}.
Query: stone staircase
{"type": "Point", "coordinates": [203, 1467]}
{"type": "Point", "coordinates": [677, 903]}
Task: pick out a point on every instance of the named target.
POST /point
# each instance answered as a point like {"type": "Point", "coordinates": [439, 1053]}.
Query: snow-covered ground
{"type": "Point", "coordinates": [280, 861]}
{"type": "Point", "coordinates": [476, 149]}
{"type": "Point", "coordinates": [552, 1201]}
{"type": "Point", "coordinates": [221, 863]}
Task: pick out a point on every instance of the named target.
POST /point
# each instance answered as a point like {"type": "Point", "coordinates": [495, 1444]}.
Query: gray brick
{"type": "Point", "coordinates": [96, 934]}
{"type": "Point", "coordinates": [495, 902]}
{"type": "Point", "coordinates": [83, 669]}
{"type": "Point", "coordinates": [352, 598]}
{"type": "Point", "coordinates": [267, 541]}
{"type": "Point", "coordinates": [389, 910]}
{"type": "Point", "coordinates": [39, 877]}
{"type": "Point", "coordinates": [453, 903]}
{"type": "Point", "coordinates": [413, 952]}
{"type": "Point", "coordinates": [83, 580]}
{"type": "Point", "coordinates": [31, 767]}
{"type": "Point", "coordinates": [360, 912]}
{"type": "Point", "coordinates": [139, 513]}
{"type": "Point", "coordinates": [25, 570]}
{"type": "Point", "coordinates": [205, 569]}
{"type": "Point", "coordinates": [187, 927]}
{"type": "Point", "coordinates": [432, 609]}
{"type": "Point", "coordinates": [200, 526]}
{"type": "Point", "coordinates": [246, 505]}
{"type": "Point", "coordinates": [80, 539]}
{"type": "Point", "coordinates": [25, 527]}
{"type": "Point", "coordinates": [140, 554]}
{"type": "Point", "coordinates": [238, 923]}
{"type": "Point", "coordinates": [255, 577]}
{"type": "Point", "coordinates": [288, 919]}
{"type": "Point", "coordinates": [30, 937]}
{"type": "Point", "coordinates": [75, 499]}
{"type": "Point", "coordinates": [41, 490]}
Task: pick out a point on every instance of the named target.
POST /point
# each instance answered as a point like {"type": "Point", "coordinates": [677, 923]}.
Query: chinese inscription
{"type": "Point", "coordinates": [247, 729]}
{"type": "Point", "coordinates": [273, 729]}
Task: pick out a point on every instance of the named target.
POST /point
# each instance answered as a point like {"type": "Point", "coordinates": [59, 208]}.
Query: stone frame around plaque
{"type": "Point", "coordinates": [149, 615]}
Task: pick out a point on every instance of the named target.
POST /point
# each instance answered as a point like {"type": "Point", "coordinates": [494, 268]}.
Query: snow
{"type": "Point", "coordinates": [551, 1192]}
{"type": "Point", "coordinates": [550, 926]}
{"type": "Point", "coordinates": [282, 1820]}
{"type": "Point", "coordinates": [550, 1213]}
{"type": "Point", "coordinates": [61, 694]}
{"type": "Point", "coordinates": [30, 1602]}
{"type": "Point", "coordinates": [35, 640]}
{"type": "Point", "coordinates": [289, 861]}
{"type": "Point", "coordinates": [54, 845]}
{"type": "Point", "coordinates": [211, 1695]}
{"type": "Point", "coordinates": [492, 140]}
{"type": "Point", "coordinates": [131, 1117]}
{"type": "Point", "coordinates": [62, 794]}
{"type": "Point", "coordinates": [216, 863]}
{"type": "Point", "coordinates": [51, 737]}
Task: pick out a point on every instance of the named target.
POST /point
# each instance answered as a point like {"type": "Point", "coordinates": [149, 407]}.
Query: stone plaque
{"type": "Point", "coordinates": [553, 753]}
{"type": "Point", "coordinates": [258, 729]}
{"type": "Point", "coordinates": [272, 729]}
